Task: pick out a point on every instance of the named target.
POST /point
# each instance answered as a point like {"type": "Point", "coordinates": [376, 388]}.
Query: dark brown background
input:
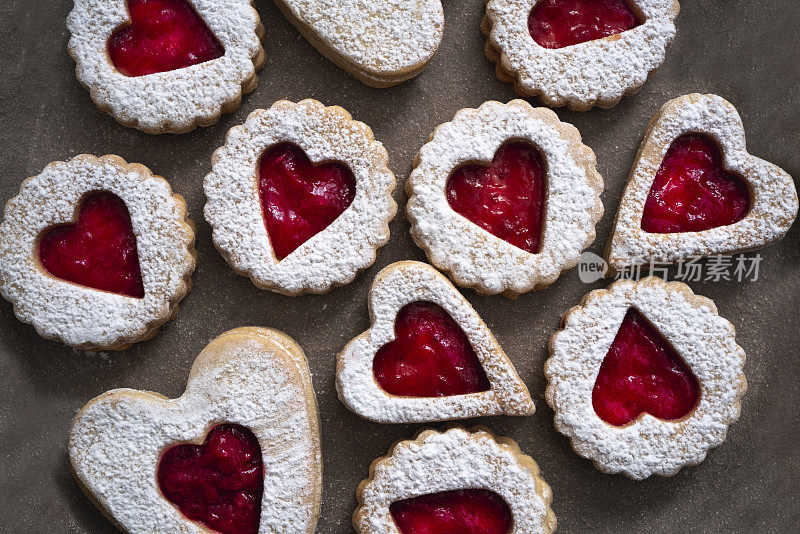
{"type": "Point", "coordinates": [743, 50]}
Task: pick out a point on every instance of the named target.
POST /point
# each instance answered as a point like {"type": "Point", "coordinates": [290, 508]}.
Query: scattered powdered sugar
{"type": "Point", "coordinates": [470, 254]}
{"type": "Point", "coordinates": [395, 286]}
{"type": "Point", "coordinates": [453, 460]}
{"type": "Point", "coordinates": [703, 339]}
{"type": "Point", "coordinates": [174, 101]}
{"type": "Point", "coordinates": [773, 202]}
{"type": "Point", "coordinates": [597, 72]}
{"type": "Point", "coordinates": [257, 378]}
{"type": "Point", "coordinates": [336, 254]}
{"type": "Point", "coordinates": [80, 316]}
{"type": "Point", "coordinates": [379, 38]}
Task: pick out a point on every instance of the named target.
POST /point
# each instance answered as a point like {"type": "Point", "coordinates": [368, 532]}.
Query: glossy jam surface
{"type": "Point", "coordinates": [98, 251]}
{"type": "Point", "coordinates": [692, 192]}
{"type": "Point", "coordinates": [163, 35]}
{"type": "Point", "coordinates": [430, 356]}
{"type": "Point", "coordinates": [560, 23]}
{"type": "Point", "coordinates": [472, 511]}
{"type": "Point", "coordinates": [643, 373]}
{"type": "Point", "coordinates": [505, 198]}
{"type": "Point", "coordinates": [299, 199]}
{"type": "Point", "coordinates": [218, 483]}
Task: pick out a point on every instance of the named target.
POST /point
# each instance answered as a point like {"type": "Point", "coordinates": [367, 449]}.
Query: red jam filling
{"type": "Point", "coordinates": [163, 35]}
{"type": "Point", "coordinates": [560, 23]}
{"type": "Point", "coordinates": [430, 356]}
{"type": "Point", "coordinates": [299, 199]}
{"type": "Point", "coordinates": [98, 251]}
{"type": "Point", "coordinates": [692, 192]}
{"type": "Point", "coordinates": [643, 373]}
{"type": "Point", "coordinates": [472, 511]}
{"type": "Point", "coordinates": [505, 198]}
{"type": "Point", "coordinates": [218, 483]}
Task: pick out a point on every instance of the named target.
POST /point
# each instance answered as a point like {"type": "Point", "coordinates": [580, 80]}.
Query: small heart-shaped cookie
{"type": "Point", "coordinates": [695, 191]}
{"type": "Point", "coordinates": [428, 356]}
{"type": "Point", "coordinates": [238, 452]}
{"type": "Point", "coordinates": [469, 482]}
{"type": "Point", "coordinates": [380, 42]}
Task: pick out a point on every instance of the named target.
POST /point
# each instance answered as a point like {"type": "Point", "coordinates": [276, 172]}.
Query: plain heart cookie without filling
{"type": "Point", "coordinates": [238, 452]}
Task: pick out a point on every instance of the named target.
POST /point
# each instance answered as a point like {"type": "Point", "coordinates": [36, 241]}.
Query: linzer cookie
{"type": "Point", "coordinates": [300, 197]}
{"type": "Point", "coordinates": [504, 198]}
{"type": "Point", "coordinates": [380, 42]}
{"type": "Point", "coordinates": [578, 53]}
{"type": "Point", "coordinates": [166, 65]}
{"type": "Point", "coordinates": [237, 453]}
{"type": "Point", "coordinates": [428, 356]}
{"type": "Point", "coordinates": [695, 191]}
{"type": "Point", "coordinates": [645, 377]}
{"type": "Point", "coordinates": [455, 481]}
{"type": "Point", "coordinates": [96, 253]}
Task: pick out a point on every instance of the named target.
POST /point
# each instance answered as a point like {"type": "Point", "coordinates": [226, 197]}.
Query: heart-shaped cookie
{"type": "Point", "coordinates": [380, 42]}
{"type": "Point", "coordinates": [695, 191]}
{"type": "Point", "coordinates": [645, 377]}
{"type": "Point", "coordinates": [300, 197]}
{"type": "Point", "coordinates": [504, 198]}
{"type": "Point", "coordinates": [428, 356]}
{"type": "Point", "coordinates": [96, 253]}
{"type": "Point", "coordinates": [469, 482]}
{"type": "Point", "coordinates": [237, 453]}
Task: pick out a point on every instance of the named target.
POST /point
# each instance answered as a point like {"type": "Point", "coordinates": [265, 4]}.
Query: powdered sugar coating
{"type": "Point", "coordinates": [333, 256]}
{"type": "Point", "coordinates": [705, 341]}
{"type": "Point", "coordinates": [773, 197]}
{"type": "Point", "coordinates": [471, 255]}
{"type": "Point", "coordinates": [77, 315]}
{"type": "Point", "coordinates": [453, 460]}
{"type": "Point", "coordinates": [593, 73]}
{"type": "Point", "coordinates": [395, 286]}
{"type": "Point", "coordinates": [382, 42]}
{"type": "Point", "coordinates": [254, 377]}
{"type": "Point", "coordinates": [175, 101]}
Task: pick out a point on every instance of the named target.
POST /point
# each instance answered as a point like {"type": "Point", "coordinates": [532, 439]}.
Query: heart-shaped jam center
{"type": "Point", "coordinates": [692, 192]}
{"type": "Point", "coordinates": [163, 35]}
{"type": "Point", "coordinates": [472, 511]}
{"type": "Point", "coordinates": [218, 483]}
{"type": "Point", "coordinates": [505, 198]}
{"type": "Point", "coordinates": [643, 373]}
{"type": "Point", "coordinates": [98, 251]}
{"type": "Point", "coordinates": [299, 199]}
{"type": "Point", "coordinates": [430, 356]}
{"type": "Point", "coordinates": [560, 23]}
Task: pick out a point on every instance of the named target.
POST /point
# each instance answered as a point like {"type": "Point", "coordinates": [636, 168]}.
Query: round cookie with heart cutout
{"type": "Point", "coordinates": [166, 65]}
{"type": "Point", "coordinates": [645, 377]}
{"type": "Point", "coordinates": [300, 197]}
{"type": "Point", "coordinates": [694, 190]}
{"type": "Point", "coordinates": [428, 356]}
{"type": "Point", "coordinates": [96, 253]}
{"type": "Point", "coordinates": [456, 481]}
{"type": "Point", "coordinates": [504, 198]}
{"type": "Point", "coordinates": [237, 453]}
{"type": "Point", "coordinates": [578, 53]}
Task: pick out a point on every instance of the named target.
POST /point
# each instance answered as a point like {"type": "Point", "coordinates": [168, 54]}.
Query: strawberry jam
{"type": "Point", "coordinates": [430, 356]}
{"type": "Point", "coordinates": [163, 35]}
{"type": "Point", "coordinates": [505, 198]}
{"type": "Point", "coordinates": [471, 511]}
{"type": "Point", "coordinates": [560, 23]}
{"type": "Point", "coordinates": [218, 483]}
{"type": "Point", "coordinates": [299, 199]}
{"type": "Point", "coordinates": [643, 373]}
{"type": "Point", "coordinates": [98, 251]}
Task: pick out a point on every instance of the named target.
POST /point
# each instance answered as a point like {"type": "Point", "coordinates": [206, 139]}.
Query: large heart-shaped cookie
{"type": "Point", "coordinates": [380, 42]}
{"type": "Point", "coordinates": [249, 390]}
{"type": "Point", "coordinates": [695, 191]}
{"type": "Point", "coordinates": [428, 355]}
